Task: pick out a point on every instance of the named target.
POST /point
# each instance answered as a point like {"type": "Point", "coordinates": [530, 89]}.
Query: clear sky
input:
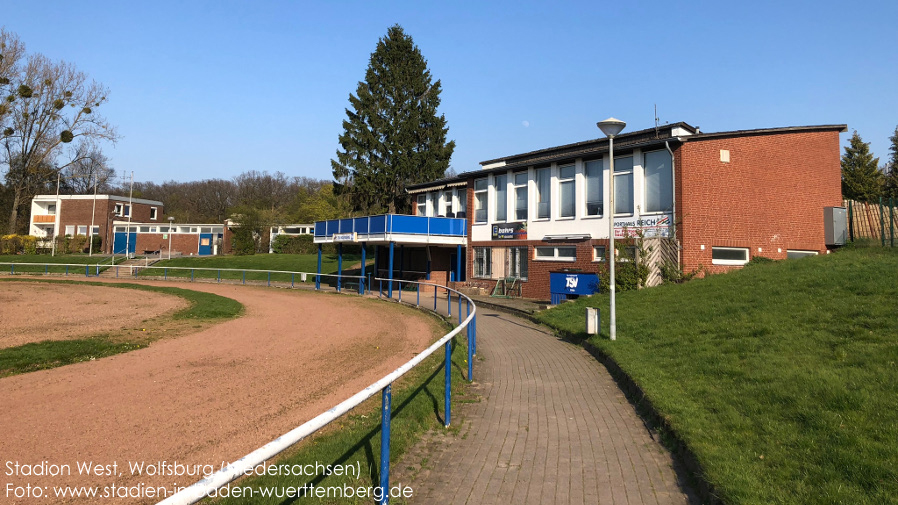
{"type": "Point", "coordinates": [203, 89]}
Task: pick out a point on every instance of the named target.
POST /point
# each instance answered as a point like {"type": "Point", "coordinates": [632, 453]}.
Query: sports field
{"type": "Point", "coordinates": [206, 397]}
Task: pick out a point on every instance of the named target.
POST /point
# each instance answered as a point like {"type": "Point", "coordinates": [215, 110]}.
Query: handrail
{"type": "Point", "coordinates": [208, 485]}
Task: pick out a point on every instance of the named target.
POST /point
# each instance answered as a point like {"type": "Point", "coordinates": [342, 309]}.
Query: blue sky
{"type": "Point", "coordinates": [208, 89]}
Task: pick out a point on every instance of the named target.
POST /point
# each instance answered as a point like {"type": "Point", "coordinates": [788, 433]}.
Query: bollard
{"type": "Point", "coordinates": [386, 397]}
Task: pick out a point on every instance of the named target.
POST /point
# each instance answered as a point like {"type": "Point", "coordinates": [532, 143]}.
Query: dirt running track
{"type": "Point", "coordinates": [204, 398]}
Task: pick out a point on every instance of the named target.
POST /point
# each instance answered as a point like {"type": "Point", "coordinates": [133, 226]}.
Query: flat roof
{"type": "Point", "coordinates": [117, 198]}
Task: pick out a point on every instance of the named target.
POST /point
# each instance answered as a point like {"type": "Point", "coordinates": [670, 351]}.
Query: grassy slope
{"type": "Point", "coordinates": [203, 308]}
{"type": "Point", "coordinates": [781, 378]}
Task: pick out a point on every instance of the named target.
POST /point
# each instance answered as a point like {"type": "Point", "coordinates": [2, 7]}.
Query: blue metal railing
{"type": "Point", "coordinates": [393, 223]}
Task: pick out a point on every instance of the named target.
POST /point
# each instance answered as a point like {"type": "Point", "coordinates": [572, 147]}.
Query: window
{"type": "Point", "coordinates": [520, 196]}
{"type": "Point", "coordinates": [144, 229]}
{"type": "Point", "coordinates": [461, 194]}
{"type": "Point", "coordinates": [795, 254]}
{"type": "Point", "coordinates": [480, 200]}
{"type": "Point", "coordinates": [598, 253]}
{"type": "Point", "coordinates": [594, 200]}
{"type": "Point", "coordinates": [483, 259]}
{"type": "Point", "coordinates": [163, 229]}
{"type": "Point", "coordinates": [729, 255]}
{"type": "Point", "coordinates": [560, 253]}
{"type": "Point", "coordinates": [120, 229]}
{"type": "Point", "coordinates": [153, 229]}
{"type": "Point", "coordinates": [82, 229]}
{"type": "Point", "coordinates": [501, 197]}
{"type": "Point", "coordinates": [70, 230]}
{"type": "Point", "coordinates": [153, 213]}
{"type": "Point", "coordinates": [658, 182]}
{"type": "Point", "coordinates": [628, 254]}
{"type": "Point", "coordinates": [447, 204]}
{"type": "Point", "coordinates": [623, 185]}
{"type": "Point", "coordinates": [51, 209]}
{"type": "Point", "coordinates": [567, 190]}
{"type": "Point", "coordinates": [127, 212]}
{"type": "Point", "coordinates": [517, 262]}
{"type": "Point", "coordinates": [543, 193]}
{"type": "Point", "coordinates": [118, 209]}
{"type": "Point", "coordinates": [422, 205]}
{"type": "Point", "coordinates": [206, 230]}
{"type": "Point", "coordinates": [96, 230]}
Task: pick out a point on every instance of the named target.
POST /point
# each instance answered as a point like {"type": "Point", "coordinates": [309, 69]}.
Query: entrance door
{"type": "Point", "coordinates": [454, 276]}
{"type": "Point", "coordinates": [122, 240]}
{"type": "Point", "coordinates": [205, 244]}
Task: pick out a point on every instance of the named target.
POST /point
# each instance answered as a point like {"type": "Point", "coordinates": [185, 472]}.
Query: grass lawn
{"type": "Point", "coordinates": [22, 260]}
{"type": "Point", "coordinates": [283, 262]}
{"type": "Point", "coordinates": [781, 378]}
{"type": "Point", "coordinates": [204, 308]}
{"type": "Point", "coordinates": [354, 439]}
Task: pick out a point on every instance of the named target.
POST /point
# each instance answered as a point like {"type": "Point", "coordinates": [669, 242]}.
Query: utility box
{"type": "Point", "coordinates": [835, 222]}
{"type": "Point", "coordinates": [593, 321]}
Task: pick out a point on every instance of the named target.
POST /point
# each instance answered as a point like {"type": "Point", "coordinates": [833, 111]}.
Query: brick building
{"type": "Point", "coordinates": [700, 200]}
{"type": "Point", "coordinates": [112, 216]}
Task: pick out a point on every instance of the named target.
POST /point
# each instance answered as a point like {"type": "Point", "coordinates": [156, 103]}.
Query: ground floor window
{"type": "Point", "coordinates": [556, 253]}
{"type": "Point", "coordinates": [598, 253]}
{"type": "Point", "coordinates": [729, 255]}
{"type": "Point", "coordinates": [483, 262]}
{"type": "Point", "coordinates": [794, 254]}
{"type": "Point", "coordinates": [516, 260]}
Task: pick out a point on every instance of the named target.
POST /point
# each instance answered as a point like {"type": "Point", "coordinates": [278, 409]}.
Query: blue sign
{"type": "Point", "coordinates": [573, 283]}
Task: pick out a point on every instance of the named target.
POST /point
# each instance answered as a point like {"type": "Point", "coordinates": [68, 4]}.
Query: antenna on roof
{"type": "Point", "coordinates": [656, 120]}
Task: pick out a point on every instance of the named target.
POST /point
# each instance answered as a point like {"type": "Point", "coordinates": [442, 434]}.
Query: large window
{"type": "Point", "coordinates": [594, 201]}
{"type": "Point", "coordinates": [543, 193]}
{"type": "Point", "coordinates": [447, 204]}
{"type": "Point", "coordinates": [483, 259]}
{"type": "Point", "coordinates": [560, 253]}
{"type": "Point", "coordinates": [658, 182]}
{"type": "Point", "coordinates": [422, 204]}
{"type": "Point", "coordinates": [480, 200]}
{"type": "Point", "coordinates": [567, 190]}
{"type": "Point", "coordinates": [729, 255]}
{"type": "Point", "coordinates": [623, 185]}
{"type": "Point", "coordinates": [517, 262]}
{"type": "Point", "coordinates": [153, 213]}
{"type": "Point", "coordinates": [82, 230]}
{"type": "Point", "coordinates": [461, 194]}
{"type": "Point", "coordinates": [501, 197]}
{"type": "Point", "coordinates": [520, 196]}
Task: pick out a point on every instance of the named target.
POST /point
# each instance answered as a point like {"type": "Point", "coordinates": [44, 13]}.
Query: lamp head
{"type": "Point", "coordinates": [611, 127]}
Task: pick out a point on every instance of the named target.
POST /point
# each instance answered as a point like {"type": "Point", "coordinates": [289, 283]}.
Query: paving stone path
{"type": "Point", "coordinates": [551, 427]}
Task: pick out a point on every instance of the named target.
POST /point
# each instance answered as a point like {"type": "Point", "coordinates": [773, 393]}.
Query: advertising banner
{"type": "Point", "coordinates": [511, 231]}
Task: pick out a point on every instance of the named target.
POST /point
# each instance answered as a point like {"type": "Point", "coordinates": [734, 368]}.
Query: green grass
{"type": "Point", "coordinates": [781, 378]}
{"type": "Point", "coordinates": [22, 263]}
{"type": "Point", "coordinates": [283, 262]}
{"type": "Point", "coordinates": [203, 308]}
{"type": "Point", "coordinates": [354, 439]}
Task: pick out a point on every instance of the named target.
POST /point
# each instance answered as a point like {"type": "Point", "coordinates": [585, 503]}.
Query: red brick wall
{"type": "Point", "coordinates": [769, 196]}
{"type": "Point", "coordinates": [78, 213]}
{"type": "Point", "coordinates": [186, 244]}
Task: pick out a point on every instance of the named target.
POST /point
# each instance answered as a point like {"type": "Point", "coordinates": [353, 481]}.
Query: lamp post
{"type": "Point", "coordinates": [171, 220]}
{"type": "Point", "coordinates": [611, 127]}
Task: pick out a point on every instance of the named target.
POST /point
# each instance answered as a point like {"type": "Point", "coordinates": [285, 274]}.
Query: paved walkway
{"type": "Point", "coordinates": [551, 427]}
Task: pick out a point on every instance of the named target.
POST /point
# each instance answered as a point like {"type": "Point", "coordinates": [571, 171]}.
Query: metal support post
{"type": "Point", "coordinates": [448, 367]}
{"type": "Point", "coordinates": [386, 398]}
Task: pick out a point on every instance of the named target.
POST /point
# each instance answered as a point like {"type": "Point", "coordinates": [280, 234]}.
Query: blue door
{"type": "Point", "coordinates": [121, 241]}
{"type": "Point", "coordinates": [205, 244]}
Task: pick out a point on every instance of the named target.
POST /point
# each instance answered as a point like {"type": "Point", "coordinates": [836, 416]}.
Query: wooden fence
{"type": "Point", "coordinates": [872, 220]}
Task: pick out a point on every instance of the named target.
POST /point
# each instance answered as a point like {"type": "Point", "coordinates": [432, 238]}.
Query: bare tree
{"type": "Point", "coordinates": [11, 52]}
{"type": "Point", "coordinates": [54, 105]}
{"type": "Point", "coordinates": [90, 167]}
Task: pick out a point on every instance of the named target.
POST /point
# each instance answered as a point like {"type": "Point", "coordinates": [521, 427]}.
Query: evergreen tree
{"type": "Point", "coordinates": [891, 180]}
{"type": "Point", "coordinates": [393, 136]}
{"type": "Point", "coordinates": [861, 178]}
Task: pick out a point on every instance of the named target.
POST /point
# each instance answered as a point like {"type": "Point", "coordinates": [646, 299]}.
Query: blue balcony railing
{"type": "Point", "coordinates": [393, 223]}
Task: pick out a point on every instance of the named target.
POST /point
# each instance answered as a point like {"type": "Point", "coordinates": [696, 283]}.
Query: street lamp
{"type": "Point", "coordinates": [171, 220]}
{"type": "Point", "coordinates": [611, 127]}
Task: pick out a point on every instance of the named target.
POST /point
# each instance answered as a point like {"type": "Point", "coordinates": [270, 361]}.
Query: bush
{"type": "Point", "coordinates": [18, 244]}
{"type": "Point", "coordinates": [244, 241]}
{"type": "Point", "coordinates": [299, 244]}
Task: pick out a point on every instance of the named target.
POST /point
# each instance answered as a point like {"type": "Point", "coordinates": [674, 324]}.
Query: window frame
{"type": "Point", "coordinates": [481, 215]}
{"type": "Point", "coordinates": [599, 257]}
{"type": "Point", "coordinates": [623, 173]}
{"type": "Point", "coordinates": [486, 263]}
{"type": "Point", "coordinates": [525, 186]}
{"type": "Point", "coordinates": [730, 262]}
{"type": "Point", "coordinates": [503, 189]}
{"type": "Point", "coordinates": [154, 213]}
{"type": "Point", "coordinates": [556, 253]}
{"type": "Point", "coordinates": [448, 195]}
{"type": "Point", "coordinates": [645, 185]}
{"type": "Point", "coordinates": [598, 179]}
{"type": "Point", "coordinates": [462, 195]}
{"type": "Point", "coordinates": [540, 203]}
{"type": "Point", "coordinates": [519, 253]}
{"type": "Point", "coordinates": [563, 182]}
{"type": "Point", "coordinates": [800, 253]}
{"type": "Point", "coordinates": [421, 204]}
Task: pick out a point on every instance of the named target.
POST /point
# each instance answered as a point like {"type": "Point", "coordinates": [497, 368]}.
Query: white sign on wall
{"type": "Point", "coordinates": [650, 226]}
{"type": "Point", "coordinates": [345, 237]}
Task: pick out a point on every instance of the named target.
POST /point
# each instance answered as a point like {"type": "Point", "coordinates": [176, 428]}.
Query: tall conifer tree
{"type": "Point", "coordinates": [392, 135]}
{"type": "Point", "coordinates": [861, 178]}
{"type": "Point", "coordinates": [891, 184]}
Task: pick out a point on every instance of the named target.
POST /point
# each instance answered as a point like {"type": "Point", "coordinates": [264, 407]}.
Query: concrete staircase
{"type": "Point", "coordinates": [128, 268]}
